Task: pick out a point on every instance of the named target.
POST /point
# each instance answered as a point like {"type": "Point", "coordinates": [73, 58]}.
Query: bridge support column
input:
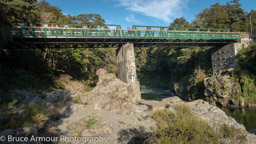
{"type": "Point", "coordinates": [224, 57]}
{"type": "Point", "coordinates": [126, 68]}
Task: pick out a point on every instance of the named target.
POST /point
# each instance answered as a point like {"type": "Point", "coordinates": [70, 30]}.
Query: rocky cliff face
{"type": "Point", "coordinates": [221, 89]}
{"type": "Point", "coordinates": [224, 89]}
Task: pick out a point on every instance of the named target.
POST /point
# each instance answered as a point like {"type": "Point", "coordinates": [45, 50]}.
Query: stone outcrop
{"type": "Point", "coordinates": [111, 94]}
{"type": "Point", "coordinates": [222, 90]}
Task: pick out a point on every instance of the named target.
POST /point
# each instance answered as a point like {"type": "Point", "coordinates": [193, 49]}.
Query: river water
{"type": "Point", "coordinates": [245, 116]}
{"type": "Point", "coordinates": [149, 93]}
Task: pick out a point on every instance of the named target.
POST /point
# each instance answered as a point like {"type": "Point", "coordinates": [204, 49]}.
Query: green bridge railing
{"type": "Point", "coordinates": [50, 30]}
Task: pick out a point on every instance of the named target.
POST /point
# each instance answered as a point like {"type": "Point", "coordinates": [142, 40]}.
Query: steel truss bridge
{"type": "Point", "coordinates": [71, 35]}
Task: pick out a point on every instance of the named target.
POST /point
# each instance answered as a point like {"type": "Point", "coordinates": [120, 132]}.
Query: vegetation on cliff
{"type": "Point", "coordinates": [234, 87]}
{"type": "Point", "coordinates": [246, 73]}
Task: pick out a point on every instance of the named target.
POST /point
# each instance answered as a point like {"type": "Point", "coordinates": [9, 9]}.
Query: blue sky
{"type": "Point", "coordinates": [141, 12]}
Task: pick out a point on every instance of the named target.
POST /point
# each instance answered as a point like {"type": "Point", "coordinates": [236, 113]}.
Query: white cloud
{"type": "Point", "coordinates": [132, 19]}
{"type": "Point", "coordinates": [161, 9]}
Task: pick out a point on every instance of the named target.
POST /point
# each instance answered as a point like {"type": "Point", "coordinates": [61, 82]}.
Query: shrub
{"type": "Point", "coordinates": [37, 114]}
{"type": "Point", "coordinates": [181, 127]}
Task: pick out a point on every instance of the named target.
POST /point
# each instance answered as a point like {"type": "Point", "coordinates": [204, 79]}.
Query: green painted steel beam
{"type": "Point", "coordinates": [52, 30]}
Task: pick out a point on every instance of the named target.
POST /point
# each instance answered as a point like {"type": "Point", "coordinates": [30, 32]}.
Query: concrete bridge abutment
{"type": "Point", "coordinates": [126, 68]}
{"type": "Point", "coordinates": [224, 57]}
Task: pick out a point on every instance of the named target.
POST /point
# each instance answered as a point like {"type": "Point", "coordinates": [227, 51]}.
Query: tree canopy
{"type": "Point", "coordinates": [229, 16]}
{"type": "Point", "coordinates": [180, 22]}
{"type": "Point", "coordinates": [20, 11]}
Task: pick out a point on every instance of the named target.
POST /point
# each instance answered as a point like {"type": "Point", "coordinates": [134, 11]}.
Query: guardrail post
{"type": "Point", "coordinates": [56, 32]}
{"type": "Point", "coordinates": [45, 32]}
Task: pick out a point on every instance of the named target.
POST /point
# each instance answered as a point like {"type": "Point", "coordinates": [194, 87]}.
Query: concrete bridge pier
{"type": "Point", "coordinates": [126, 68]}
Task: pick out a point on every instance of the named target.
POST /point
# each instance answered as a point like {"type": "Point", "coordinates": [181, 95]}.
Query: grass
{"type": "Point", "coordinates": [87, 88]}
{"type": "Point", "coordinates": [37, 114]}
{"type": "Point", "coordinates": [231, 132]}
{"type": "Point", "coordinates": [79, 100]}
{"type": "Point", "coordinates": [90, 122]}
{"type": "Point", "coordinates": [183, 127]}
{"type": "Point", "coordinates": [59, 84]}
{"type": "Point", "coordinates": [31, 114]}
{"type": "Point", "coordinates": [127, 96]}
{"type": "Point", "coordinates": [114, 96]}
{"type": "Point", "coordinates": [227, 131]}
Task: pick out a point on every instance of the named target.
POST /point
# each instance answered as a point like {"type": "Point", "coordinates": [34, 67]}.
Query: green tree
{"type": "Point", "coordinates": [5, 28]}
{"type": "Point", "coordinates": [19, 11]}
{"type": "Point", "coordinates": [214, 17]}
{"type": "Point", "coordinates": [237, 17]}
{"type": "Point", "coordinates": [87, 19]}
{"type": "Point", "coordinates": [180, 22]}
{"type": "Point", "coordinates": [230, 16]}
{"type": "Point", "coordinates": [252, 20]}
{"type": "Point", "coordinates": [50, 13]}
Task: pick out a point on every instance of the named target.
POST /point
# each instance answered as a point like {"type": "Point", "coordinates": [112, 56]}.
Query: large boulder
{"type": "Point", "coordinates": [213, 115]}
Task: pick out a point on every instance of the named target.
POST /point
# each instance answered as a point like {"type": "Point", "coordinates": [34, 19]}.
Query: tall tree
{"type": "Point", "coordinates": [18, 11]}
{"type": "Point", "coordinates": [214, 17]}
{"type": "Point", "coordinates": [230, 16]}
{"type": "Point", "coordinates": [87, 19]}
{"type": "Point", "coordinates": [180, 22]}
{"type": "Point", "coordinates": [5, 27]}
{"type": "Point", "coordinates": [49, 13]}
{"type": "Point", "coordinates": [237, 16]}
{"type": "Point", "coordinates": [252, 21]}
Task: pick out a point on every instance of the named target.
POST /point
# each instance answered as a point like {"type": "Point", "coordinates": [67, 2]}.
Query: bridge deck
{"type": "Point", "coordinates": [137, 35]}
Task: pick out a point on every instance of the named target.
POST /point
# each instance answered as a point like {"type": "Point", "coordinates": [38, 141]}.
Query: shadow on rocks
{"type": "Point", "coordinates": [34, 113]}
{"type": "Point", "coordinates": [136, 136]}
